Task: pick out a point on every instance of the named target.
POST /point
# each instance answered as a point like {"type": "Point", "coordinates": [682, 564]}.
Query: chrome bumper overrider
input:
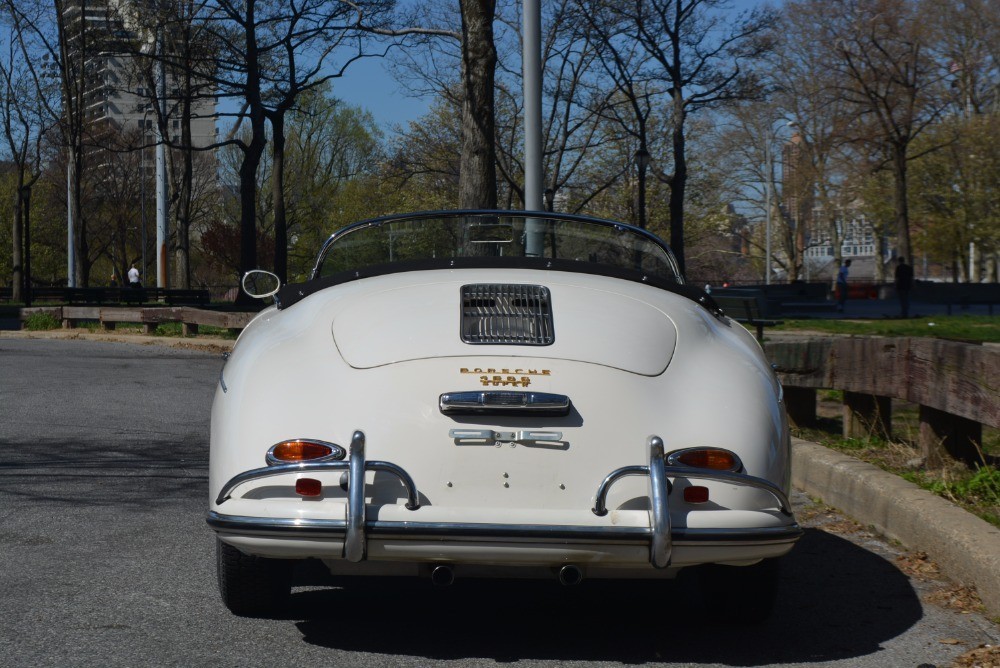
{"type": "Point", "coordinates": [355, 529]}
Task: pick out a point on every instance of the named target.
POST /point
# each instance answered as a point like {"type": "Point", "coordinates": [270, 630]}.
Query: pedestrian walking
{"type": "Point", "coordinates": [842, 284]}
{"type": "Point", "coordinates": [904, 283]}
{"type": "Point", "coordinates": [133, 277]}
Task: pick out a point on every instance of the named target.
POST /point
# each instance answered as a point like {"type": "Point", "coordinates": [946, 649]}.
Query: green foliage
{"type": "Point", "coordinates": [954, 189]}
{"type": "Point", "coordinates": [963, 327]}
{"type": "Point", "coordinates": [41, 320]}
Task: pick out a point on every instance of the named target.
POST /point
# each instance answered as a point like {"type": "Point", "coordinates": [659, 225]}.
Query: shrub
{"type": "Point", "coordinates": [41, 320]}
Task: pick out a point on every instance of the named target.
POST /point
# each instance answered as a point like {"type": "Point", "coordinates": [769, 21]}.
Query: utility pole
{"type": "Point", "coordinates": [161, 167]}
{"type": "Point", "coordinates": [532, 64]}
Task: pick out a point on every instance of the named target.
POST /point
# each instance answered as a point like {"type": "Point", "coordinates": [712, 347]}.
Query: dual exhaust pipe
{"type": "Point", "coordinates": [568, 575]}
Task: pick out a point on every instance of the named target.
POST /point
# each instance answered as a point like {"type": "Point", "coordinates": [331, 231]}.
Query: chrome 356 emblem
{"type": "Point", "coordinates": [506, 377]}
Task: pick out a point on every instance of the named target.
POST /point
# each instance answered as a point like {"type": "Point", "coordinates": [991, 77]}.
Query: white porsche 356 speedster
{"type": "Point", "coordinates": [498, 394]}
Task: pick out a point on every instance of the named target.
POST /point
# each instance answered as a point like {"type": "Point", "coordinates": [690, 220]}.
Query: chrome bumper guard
{"type": "Point", "coordinates": [659, 535]}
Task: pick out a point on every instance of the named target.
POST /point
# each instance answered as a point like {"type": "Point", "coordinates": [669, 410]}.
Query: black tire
{"type": "Point", "coordinates": [739, 594]}
{"type": "Point", "coordinates": [252, 586]}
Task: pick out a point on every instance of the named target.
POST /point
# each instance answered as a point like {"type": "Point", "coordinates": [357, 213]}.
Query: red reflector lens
{"type": "Point", "coordinates": [299, 451]}
{"type": "Point", "coordinates": [717, 460]}
{"type": "Point", "coordinates": [308, 487]}
{"type": "Point", "coordinates": [696, 494]}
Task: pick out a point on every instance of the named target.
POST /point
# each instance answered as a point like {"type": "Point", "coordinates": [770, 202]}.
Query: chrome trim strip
{"type": "Point", "coordinates": [785, 505]}
{"type": "Point", "coordinates": [498, 402]}
{"type": "Point", "coordinates": [354, 542]}
{"type": "Point", "coordinates": [600, 500]}
{"type": "Point", "coordinates": [317, 528]}
{"type": "Point", "coordinates": [659, 508]}
{"type": "Point", "coordinates": [413, 496]}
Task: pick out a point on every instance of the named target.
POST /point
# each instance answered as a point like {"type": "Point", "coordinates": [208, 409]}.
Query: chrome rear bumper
{"type": "Point", "coordinates": [356, 529]}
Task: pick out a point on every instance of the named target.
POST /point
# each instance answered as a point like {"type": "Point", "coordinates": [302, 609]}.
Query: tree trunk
{"type": "Point", "coordinates": [278, 185]}
{"type": "Point", "coordinates": [678, 183]}
{"type": "Point", "coordinates": [183, 211]}
{"type": "Point", "coordinates": [17, 274]}
{"type": "Point", "coordinates": [477, 185]}
{"type": "Point", "coordinates": [899, 201]}
{"type": "Point", "coordinates": [248, 192]}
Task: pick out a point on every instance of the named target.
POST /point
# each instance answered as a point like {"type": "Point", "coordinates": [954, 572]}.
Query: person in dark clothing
{"type": "Point", "coordinates": [904, 283]}
{"type": "Point", "coordinates": [842, 284]}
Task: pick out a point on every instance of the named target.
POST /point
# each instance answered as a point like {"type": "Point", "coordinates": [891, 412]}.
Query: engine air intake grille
{"type": "Point", "coordinates": [507, 313]}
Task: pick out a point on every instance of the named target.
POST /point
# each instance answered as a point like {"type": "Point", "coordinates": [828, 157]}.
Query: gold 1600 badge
{"type": "Point", "coordinates": [506, 377]}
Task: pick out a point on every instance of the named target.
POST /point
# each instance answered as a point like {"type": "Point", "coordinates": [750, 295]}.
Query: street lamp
{"type": "Point", "coordinates": [642, 159]}
{"type": "Point", "coordinates": [142, 192]}
{"type": "Point", "coordinates": [767, 205]}
{"type": "Point", "coordinates": [26, 292]}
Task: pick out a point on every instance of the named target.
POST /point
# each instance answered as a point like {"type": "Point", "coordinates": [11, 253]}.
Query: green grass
{"type": "Point", "coordinates": [40, 320]}
{"type": "Point", "coordinates": [174, 329]}
{"type": "Point", "coordinates": [961, 327]}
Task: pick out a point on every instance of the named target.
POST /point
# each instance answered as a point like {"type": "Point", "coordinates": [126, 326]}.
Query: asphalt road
{"type": "Point", "coordinates": [105, 559]}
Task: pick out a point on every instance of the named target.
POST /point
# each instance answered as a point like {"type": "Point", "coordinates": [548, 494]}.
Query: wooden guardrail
{"type": "Point", "coordinates": [189, 317]}
{"type": "Point", "coordinates": [956, 385]}
{"type": "Point", "coordinates": [99, 296]}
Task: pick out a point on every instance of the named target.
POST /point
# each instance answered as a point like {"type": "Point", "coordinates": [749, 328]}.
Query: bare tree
{"type": "Point", "coordinates": [702, 54]}
{"type": "Point", "coordinates": [24, 126]}
{"type": "Point", "coordinates": [817, 162]}
{"type": "Point", "coordinates": [883, 58]}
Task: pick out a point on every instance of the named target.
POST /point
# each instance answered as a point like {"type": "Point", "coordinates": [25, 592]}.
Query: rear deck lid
{"type": "Point", "coordinates": [555, 321]}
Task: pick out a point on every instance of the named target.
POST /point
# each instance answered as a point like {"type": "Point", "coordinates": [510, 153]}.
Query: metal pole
{"type": "Point", "coordinates": [26, 293]}
{"type": "Point", "coordinates": [161, 172]}
{"type": "Point", "coordinates": [767, 228]}
{"type": "Point", "coordinates": [142, 198]}
{"type": "Point", "coordinates": [532, 64]}
{"type": "Point", "coordinates": [70, 222]}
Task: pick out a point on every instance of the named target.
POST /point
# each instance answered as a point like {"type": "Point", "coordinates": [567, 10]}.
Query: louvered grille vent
{"type": "Point", "coordinates": [504, 313]}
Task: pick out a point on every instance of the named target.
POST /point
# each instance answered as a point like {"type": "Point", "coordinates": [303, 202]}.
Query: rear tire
{"type": "Point", "coordinates": [739, 594]}
{"type": "Point", "coordinates": [252, 586]}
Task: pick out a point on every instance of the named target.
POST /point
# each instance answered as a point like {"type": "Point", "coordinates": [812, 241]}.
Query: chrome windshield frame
{"type": "Point", "coordinates": [459, 213]}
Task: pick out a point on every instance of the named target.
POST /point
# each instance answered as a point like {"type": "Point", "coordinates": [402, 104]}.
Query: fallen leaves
{"type": "Point", "coordinates": [984, 656]}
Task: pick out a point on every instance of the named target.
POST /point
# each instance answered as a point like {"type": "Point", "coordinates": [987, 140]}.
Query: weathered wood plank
{"type": "Point", "coordinates": [958, 378]}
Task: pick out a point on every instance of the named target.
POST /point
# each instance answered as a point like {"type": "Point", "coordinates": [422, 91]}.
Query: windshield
{"type": "Point", "coordinates": [493, 236]}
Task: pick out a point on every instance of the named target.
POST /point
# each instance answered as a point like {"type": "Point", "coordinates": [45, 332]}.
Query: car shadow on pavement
{"type": "Point", "coordinates": [837, 601]}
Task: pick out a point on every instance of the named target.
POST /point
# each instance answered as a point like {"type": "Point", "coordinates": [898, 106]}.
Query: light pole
{"type": "Point", "coordinates": [767, 205]}
{"type": "Point", "coordinates": [642, 159]}
{"type": "Point", "coordinates": [142, 193]}
{"type": "Point", "coordinates": [26, 197]}
{"type": "Point", "coordinates": [531, 59]}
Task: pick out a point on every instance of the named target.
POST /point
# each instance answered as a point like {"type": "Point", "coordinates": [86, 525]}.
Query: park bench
{"type": "Point", "coordinates": [748, 308]}
{"type": "Point", "coordinates": [962, 295]}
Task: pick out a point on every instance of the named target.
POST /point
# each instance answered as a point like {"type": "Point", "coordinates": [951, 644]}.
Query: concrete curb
{"type": "Point", "coordinates": [966, 547]}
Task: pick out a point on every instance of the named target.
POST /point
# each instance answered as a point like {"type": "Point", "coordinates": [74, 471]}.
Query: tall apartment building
{"type": "Point", "coordinates": [116, 93]}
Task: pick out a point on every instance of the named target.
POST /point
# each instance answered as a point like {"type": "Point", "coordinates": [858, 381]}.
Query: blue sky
{"type": "Point", "coordinates": [368, 84]}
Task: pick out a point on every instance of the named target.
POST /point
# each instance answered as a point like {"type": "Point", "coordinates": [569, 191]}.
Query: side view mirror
{"type": "Point", "coordinates": [260, 284]}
